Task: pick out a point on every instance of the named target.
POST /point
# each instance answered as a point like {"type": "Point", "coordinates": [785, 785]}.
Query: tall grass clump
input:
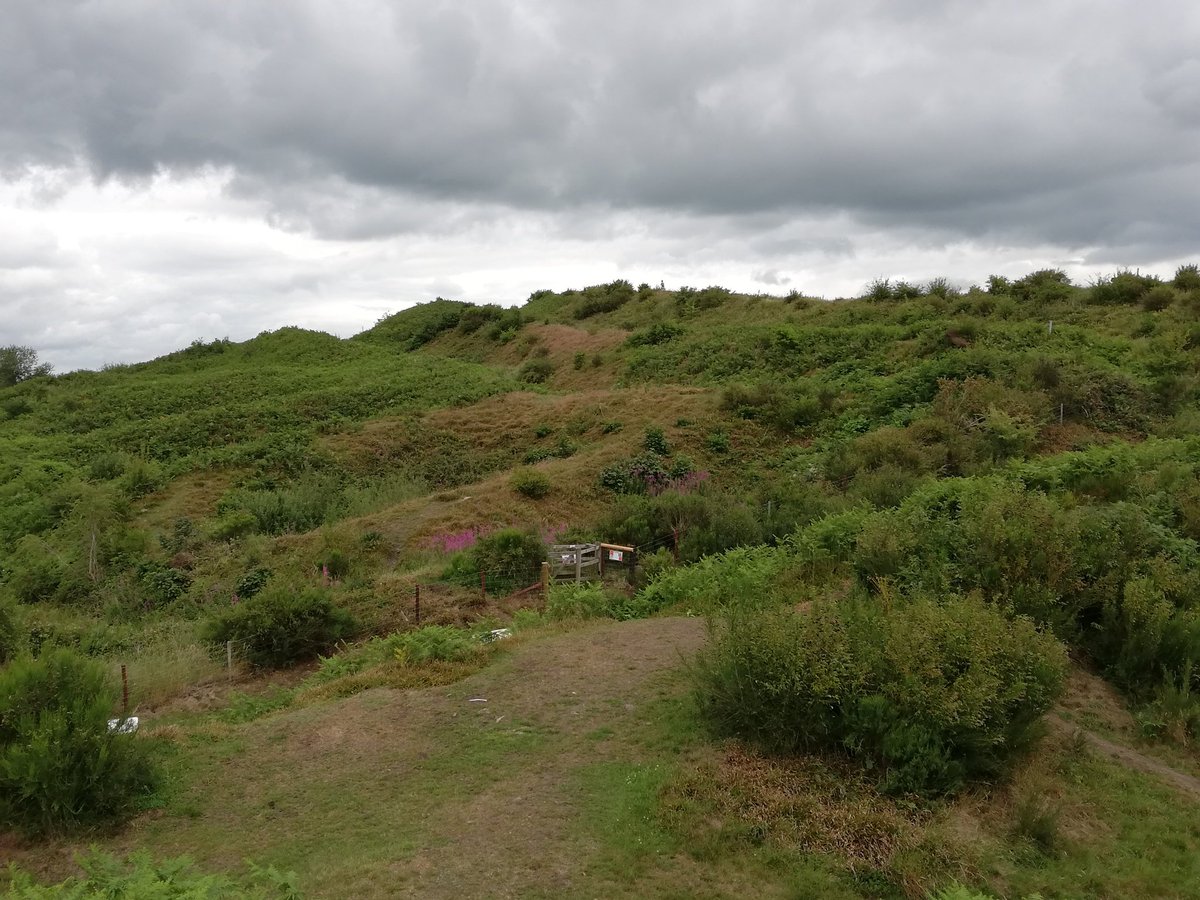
{"type": "Point", "coordinates": [927, 695]}
{"type": "Point", "coordinates": [60, 765]}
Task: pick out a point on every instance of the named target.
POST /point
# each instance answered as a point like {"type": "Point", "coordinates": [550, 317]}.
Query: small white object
{"type": "Point", "coordinates": [123, 726]}
{"type": "Point", "coordinates": [477, 700]}
{"type": "Point", "coordinates": [497, 634]}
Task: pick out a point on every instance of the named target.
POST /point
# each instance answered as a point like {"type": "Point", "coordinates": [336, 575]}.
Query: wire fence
{"type": "Point", "coordinates": [191, 673]}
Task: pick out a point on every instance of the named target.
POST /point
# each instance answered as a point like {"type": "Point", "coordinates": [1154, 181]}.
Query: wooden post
{"type": "Point", "coordinates": [124, 690]}
{"type": "Point", "coordinates": [545, 581]}
{"type": "Point", "coordinates": [229, 659]}
{"type": "Point", "coordinates": [578, 564]}
{"type": "Point", "coordinates": [675, 535]}
{"type": "Point", "coordinates": [417, 603]}
{"type": "Point", "coordinates": [483, 587]}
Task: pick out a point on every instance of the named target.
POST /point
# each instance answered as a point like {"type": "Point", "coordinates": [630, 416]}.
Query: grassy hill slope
{"type": "Point", "coordinates": [1031, 447]}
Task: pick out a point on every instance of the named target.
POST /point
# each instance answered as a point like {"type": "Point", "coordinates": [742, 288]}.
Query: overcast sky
{"type": "Point", "coordinates": [180, 170]}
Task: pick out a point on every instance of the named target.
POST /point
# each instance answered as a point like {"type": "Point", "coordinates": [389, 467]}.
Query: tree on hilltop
{"type": "Point", "coordinates": [18, 363]}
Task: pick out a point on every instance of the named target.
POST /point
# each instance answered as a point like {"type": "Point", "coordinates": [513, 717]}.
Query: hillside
{"type": "Point", "coordinates": [921, 466]}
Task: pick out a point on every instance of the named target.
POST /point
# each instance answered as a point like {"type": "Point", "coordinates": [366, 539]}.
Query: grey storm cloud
{"type": "Point", "coordinates": [183, 169]}
{"type": "Point", "coordinates": [1076, 123]}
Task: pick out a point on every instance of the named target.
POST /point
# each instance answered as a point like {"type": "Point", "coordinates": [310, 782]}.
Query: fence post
{"type": "Point", "coordinates": [578, 564]}
{"type": "Point", "coordinates": [483, 587]}
{"type": "Point", "coordinates": [675, 535]}
{"type": "Point", "coordinates": [545, 581]}
{"type": "Point", "coordinates": [417, 603]}
{"type": "Point", "coordinates": [229, 659]}
{"type": "Point", "coordinates": [124, 690]}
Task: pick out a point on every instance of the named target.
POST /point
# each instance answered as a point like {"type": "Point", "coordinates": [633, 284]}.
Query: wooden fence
{"type": "Point", "coordinates": [586, 562]}
{"type": "Point", "coordinates": [574, 562]}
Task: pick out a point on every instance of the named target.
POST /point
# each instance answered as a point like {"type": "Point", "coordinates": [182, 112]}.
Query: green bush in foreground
{"type": "Point", "coordinates": [281, 626]}
{"type": "Point", "coordinates": [140, 876]}
{"type": "Point", "coordinates": [927, 695]}
{"type": "Point", "coordinates": [60, 766]}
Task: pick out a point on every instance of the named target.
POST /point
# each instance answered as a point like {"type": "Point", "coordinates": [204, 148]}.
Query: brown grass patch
{"type": "Point", "coordinates": [800, 803]}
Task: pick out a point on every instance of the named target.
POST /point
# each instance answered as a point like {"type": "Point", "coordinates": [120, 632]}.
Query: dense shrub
{"type": "Point", "coordinates": [640, 475]}
{"type": "Point", "coordinates": [140, 478]}
{"type": "Point", "coordinates": [1042, 286]}
{"type": "Point", "coordinates": [655, 441]}
{"type": "Point", "coordinates": [11, 637]}
{"type": "Point", "coordinates": [475, 317]}
{"type": "Point", "coordinates": [536, 371]}
{"type": "Point", "coordinates": [738, 577]}
{"type": "Point", "coordinates": [530, 483]}
{"type": "Point", "coordinates": [511, 558]}
{"type": "Point", "coordinates": [161, 584]}
{"type": "Point", "coordinates": [107, 466]}
{"type": "Point", "coordinates": [1187, 278]}
{"type": "Point", "coordinates": [658, 333]}
{"type": "Point", "coordinates": [252, 583]}
{"type": "Point", "coordinates": [927, 695]}
{"type": "Point", "coordinates": [604, 298]}
{"type": "Point", "coordinates": [281, 625]}
{"type": "Point", "coordinates": [416, 326]}
{"type": "Point", "coordinates": [335, 564]}
{"type": "Point", "coordinates": [302, 506]}
{"type": "Point", "coordinates": [1158, 298]}
{"type": "Point", "coordinates": [1123, 287]}
{"type": "Point", "coordinates": [787, 407]}
{"type": "Point", "coordinates": [60, 765]}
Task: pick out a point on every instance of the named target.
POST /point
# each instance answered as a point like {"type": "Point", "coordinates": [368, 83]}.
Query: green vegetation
{"type": "Point", "coordinates": [279, 626]}
{"type": "Point", "coordinates": [61, 766]}
{"type": "Point", "coordinates": [898, 513]}
{"type": "Point", "coordinates": [140, 876]}
{"type": "Point", "coordinates": [926, 694]}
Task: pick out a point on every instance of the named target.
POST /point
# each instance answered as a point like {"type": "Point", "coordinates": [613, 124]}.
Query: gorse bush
{"type": "Point", "coordinates": [928, 695]}
{"type": "Point", "coordinates": [60, 765]}
{"type": "Point", "coordinates": [281, 625]}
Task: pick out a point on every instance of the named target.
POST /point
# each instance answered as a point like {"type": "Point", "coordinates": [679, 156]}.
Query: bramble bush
{"type": "Point", "coordinates": [60, 766]}
{"type": "Point", "coordinates": [927, 695]}
{"type": "Point", "coordinates": [281, 625]}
